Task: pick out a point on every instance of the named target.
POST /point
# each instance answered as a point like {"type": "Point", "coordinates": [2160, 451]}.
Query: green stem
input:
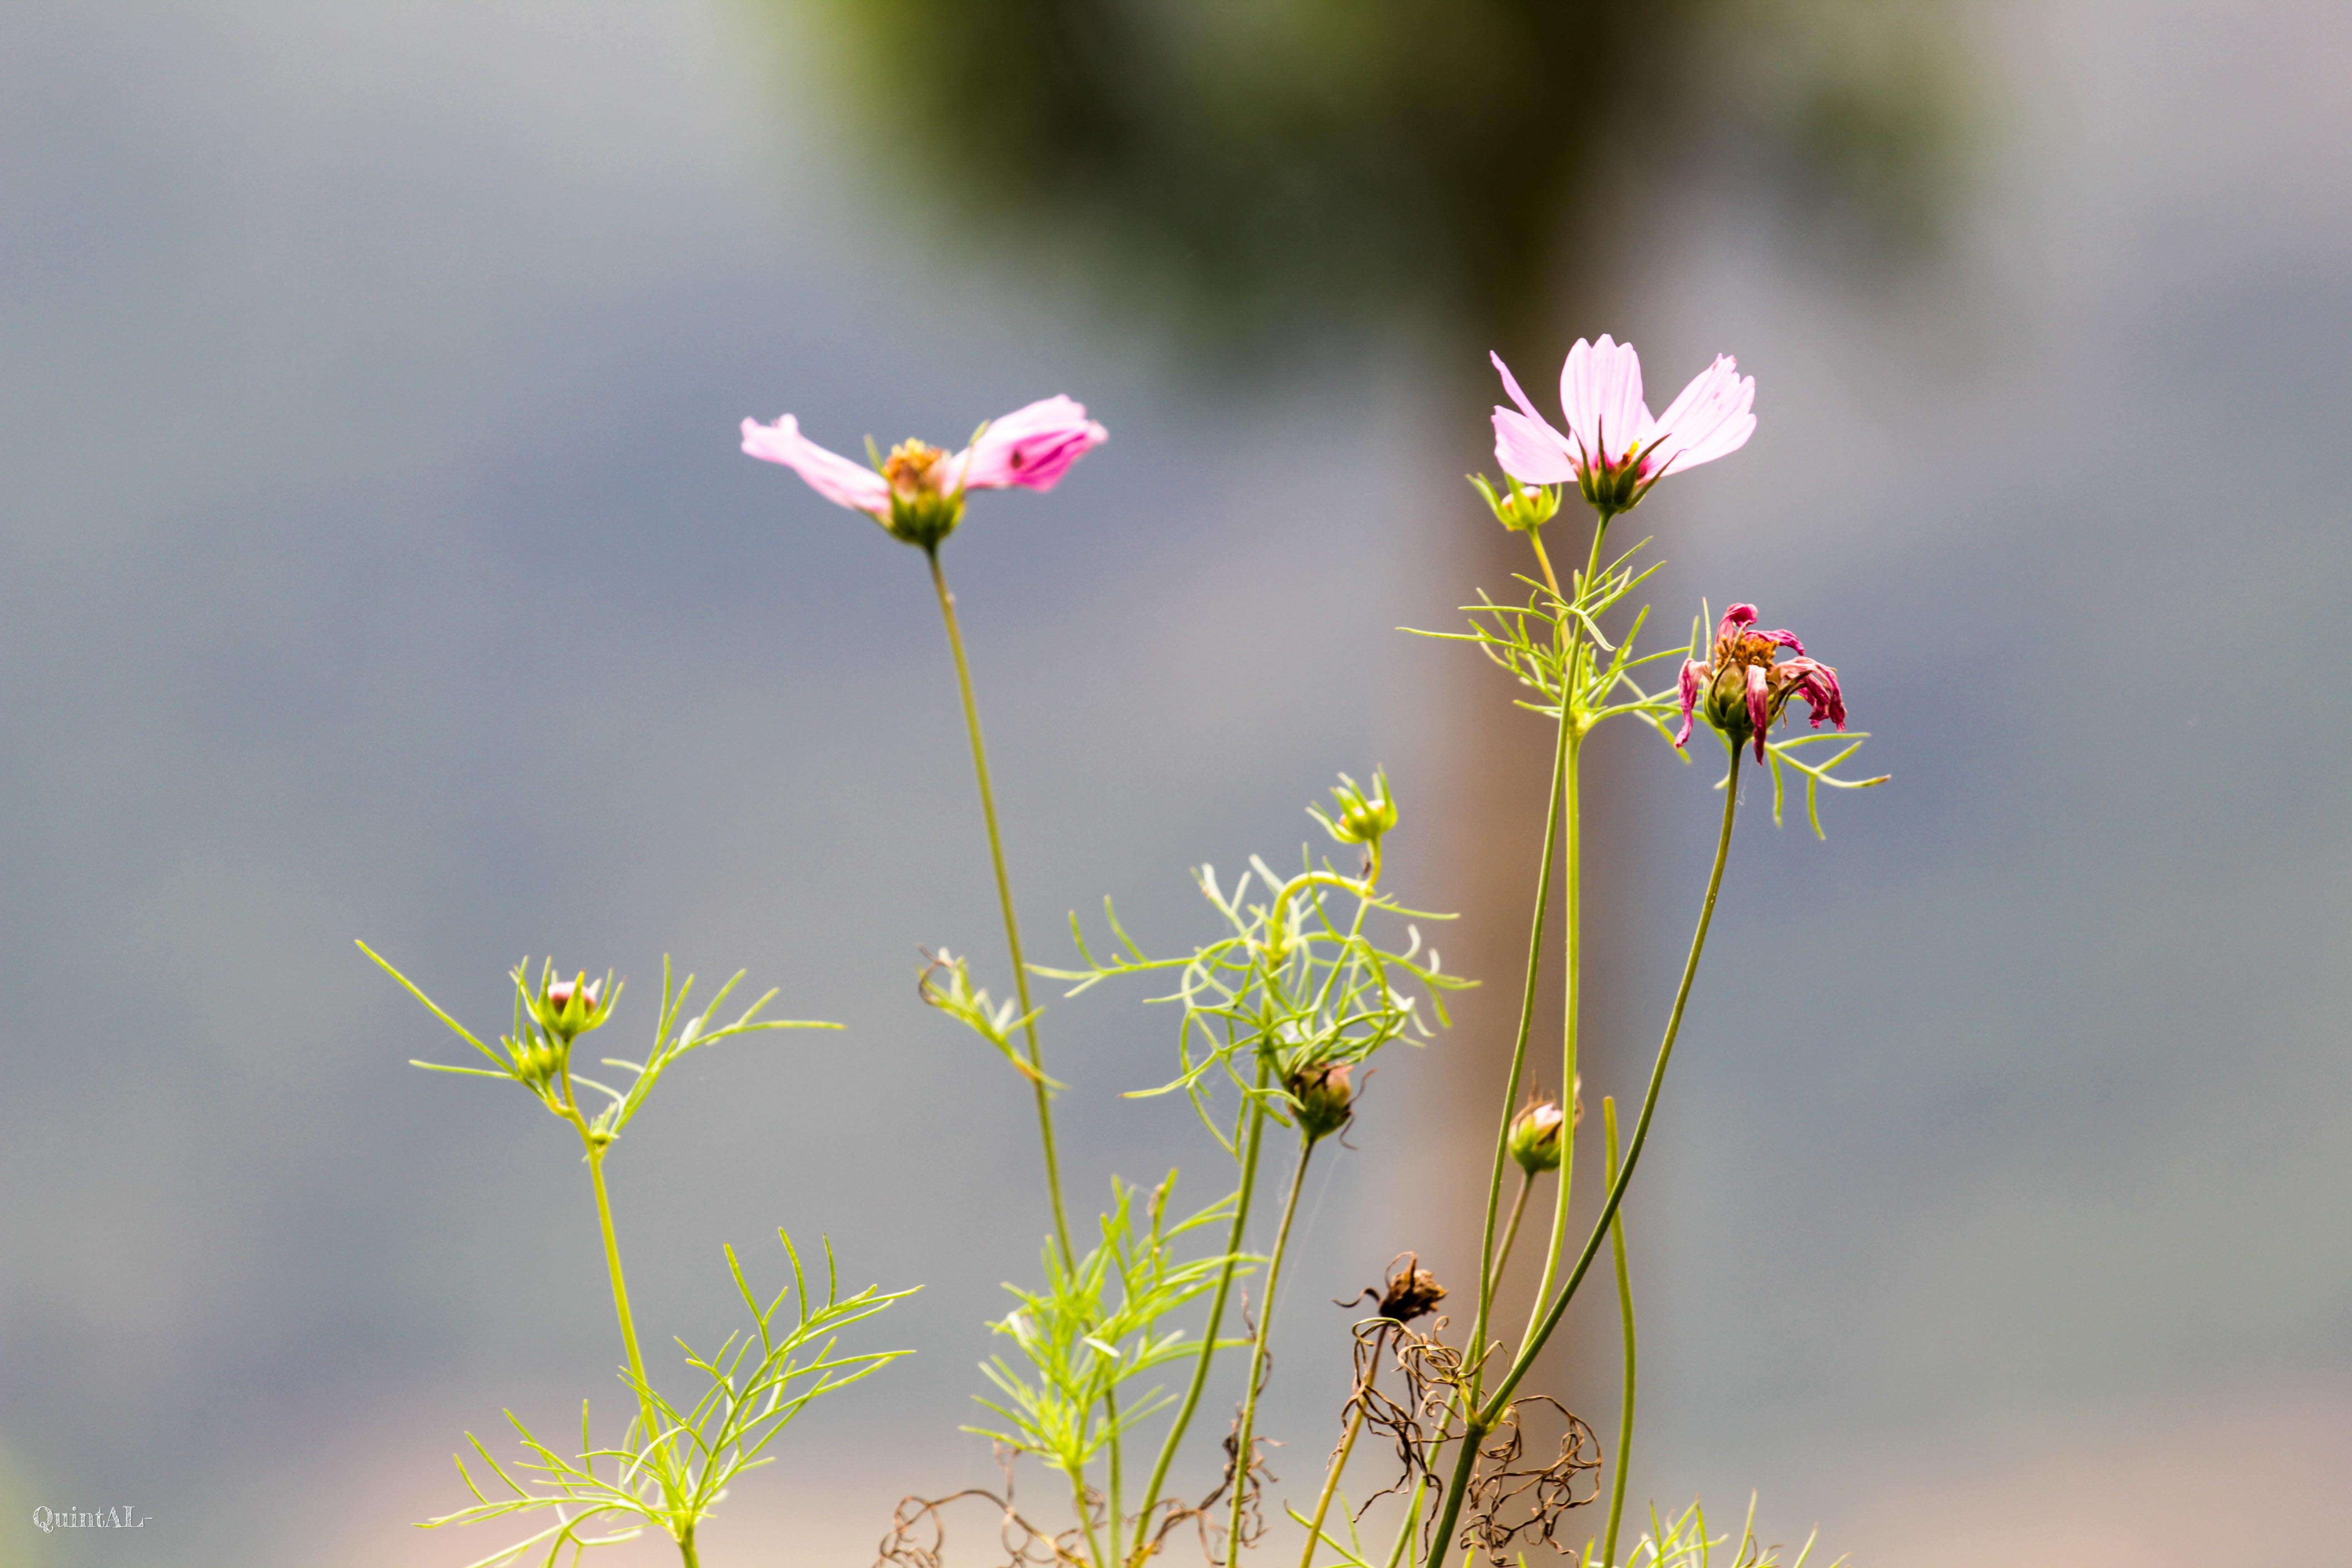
{"type": "Point", "coordinates": [1482, 1420]}
{"type": "Point", "coordinates": [1510, 1232]}
{"type": "Point", "coordinates": [1407, 1528]}
{"type": "Point", "coordinates": [1110, 1415]}
{"type": "Point", "coordinates": [1258, 1353]}
{"type": "Point", "coordinates": [1490, 1271]}
{"type": "Point", "coordinates": [1085, 1518]}
{"type": "Point", "coordinates": [685, 1549]}
{"type": "Point", "coordinates": [1331, 1484]}
{"type": "Point", "coordinates": [1571, 808]}
{"type": "Point", "coordinates": [628, 1320]}
{"type": "Point", "coordinates": [1625, 1318]}
{"type": "Point", "coordinates": [1005, 902]}
{"type": "Point", "coordinates": [1252, 1130]}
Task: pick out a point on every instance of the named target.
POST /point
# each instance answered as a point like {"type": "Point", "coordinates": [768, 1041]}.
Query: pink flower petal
{"type": "Point", "coordinates": [1759, 711]}
{"type": "Point", "coordinates": [1031, 446]}
{"type": "Point", "coordinates": [1695, 675]}
{"type": "Point", "coordinates": [830, 474]}
{"type": "Point", "coordinates": [1580, 399]}
{"type": "Point", "coordinates": [1531, 451]}
{"type": "Point", "coordinates": [1709, 419]}
{"type": "Point", "coordinates": [1622, 418]}
{"type": "Point", "coordinates": [1511, 387]}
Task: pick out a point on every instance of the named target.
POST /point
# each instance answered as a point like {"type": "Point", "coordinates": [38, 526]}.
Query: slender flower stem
{"type": "Point", "coordinates": [1258, 1353]}
{"type": "Point", "coordinates": [1482, 1420]}
{"type": "Point", "coordinates": [1626, 1319]}
{"type": "Point", "coordinates": [1110, 1415]}
{"type": "Point", "coordinates": [1253, 1129]}
{"type": "Point", "coordinates": [686, 1549]}
{"type": "Point", "coordinates": [1331, 1484]}
{"type": "Point", "coordinates": [1085, 1518]}
{"type": "Point", "coordinates": [1489, 1271]}
{"type": "Point", "coordinates": [1510, 1233]}
{"type": "Point", "coordinates": [1005, 902]}
{"type": "Point", "coordinates": [1571, 808]}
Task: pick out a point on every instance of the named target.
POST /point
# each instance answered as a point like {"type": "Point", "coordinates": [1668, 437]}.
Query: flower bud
{"type": "Point", "coordinates": [1324, 1098]}
{"type": "Point", "coordinates": [567, 1009]}
{"type": "Point", "coordinates": [1521, 509]}
{"type": "Point", "coordinates": [1360, 816]}
{"type": "Point", "coordinates": [1535, 1138]}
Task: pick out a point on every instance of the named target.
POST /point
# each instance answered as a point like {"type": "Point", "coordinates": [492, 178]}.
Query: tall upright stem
{"type": "Point", "coordinates": [1482, 1420]}
{"type": "Point", "coordinates": [1110, 1416]}
{"type": "Point", "coordinates": [1487, 1269]}
{"type": "Point", "coordinates": [1510, 1233]}
{"type": "Point", "coordinates": [1331, 1483]}
{"type": "Point", "coordinates": [1625, 1322]}
{"type": "Point", "coordinates": [1258, 1353]}
{"type": "Point", "coordinates": [1005, 902]}
{"type": "Point", "coordinates": [649, 1423]}
{"type": "Point", "coordinates": [1252, 1130]}
{"type": "Point", "coordinates": [1571, 808]}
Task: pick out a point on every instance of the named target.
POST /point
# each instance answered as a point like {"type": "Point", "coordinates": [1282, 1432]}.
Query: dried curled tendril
{"type": "Point", "coordinates": [1541, 1495]}
{"type": "Point", "coordinates": [1507, 1504]}
{"type": "Point", "coordinates": [918, 1536]}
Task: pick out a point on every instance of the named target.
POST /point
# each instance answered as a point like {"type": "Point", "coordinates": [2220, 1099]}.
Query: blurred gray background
{"type": "Point", "coordinates": [380, 564]}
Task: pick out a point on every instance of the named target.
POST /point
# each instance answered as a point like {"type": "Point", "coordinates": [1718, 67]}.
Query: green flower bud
{"type": "Point", "coordinates": [1520, 510]}
{"type": "Point", "coordinates": [1535, 1139]}
{"type": "Point", "coordinates": [1324, 1099]}
{"type": "Point", "coordinates": [567, 1009]}
{"type": "Point", "coordinates": [1360, 816]}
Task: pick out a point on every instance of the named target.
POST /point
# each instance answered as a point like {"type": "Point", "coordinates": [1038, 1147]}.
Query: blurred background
{"type": "Point", "coordinates": [380, 564]}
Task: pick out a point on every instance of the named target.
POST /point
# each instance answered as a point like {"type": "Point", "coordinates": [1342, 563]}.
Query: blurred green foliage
{"type": "Point", "coordinates": [1451, 164]}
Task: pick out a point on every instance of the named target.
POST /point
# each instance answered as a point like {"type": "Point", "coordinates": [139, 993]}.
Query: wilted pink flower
{"type": "Point", "coordinates": [917, 491]}
{"type": "Point", "coordinates": [1613, 450]}
{"type": "Point", "coordinates": [1742, 690]}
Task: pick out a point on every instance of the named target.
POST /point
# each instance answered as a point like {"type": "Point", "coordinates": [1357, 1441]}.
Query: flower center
{"type": "Point", "coordinates": [910, 468]}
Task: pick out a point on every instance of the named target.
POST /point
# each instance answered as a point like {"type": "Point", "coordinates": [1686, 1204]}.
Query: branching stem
{"type": "Point", "coordinates": [1482, 1420]}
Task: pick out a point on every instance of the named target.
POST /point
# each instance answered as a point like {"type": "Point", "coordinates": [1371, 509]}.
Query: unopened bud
{"type": "Point", "coordinates": [1517, 507]}
{"type": "Point", "coordinates": [1325, 1100]}
{"type": "Point", "coordinates": [567, 1009]}
{"type": "Point", "coordinates": [1360, 816]}
{"type": "Point", "coordinates": [1536, 1140]}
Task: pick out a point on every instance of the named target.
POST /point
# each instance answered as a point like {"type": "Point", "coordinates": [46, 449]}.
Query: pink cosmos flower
{"type": "Point", "coordinates": [1743, 690]}
{"type": "Point", "coordinates": [918, 493]}
{"type": "Point", "coordinates": [1615, 451]}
